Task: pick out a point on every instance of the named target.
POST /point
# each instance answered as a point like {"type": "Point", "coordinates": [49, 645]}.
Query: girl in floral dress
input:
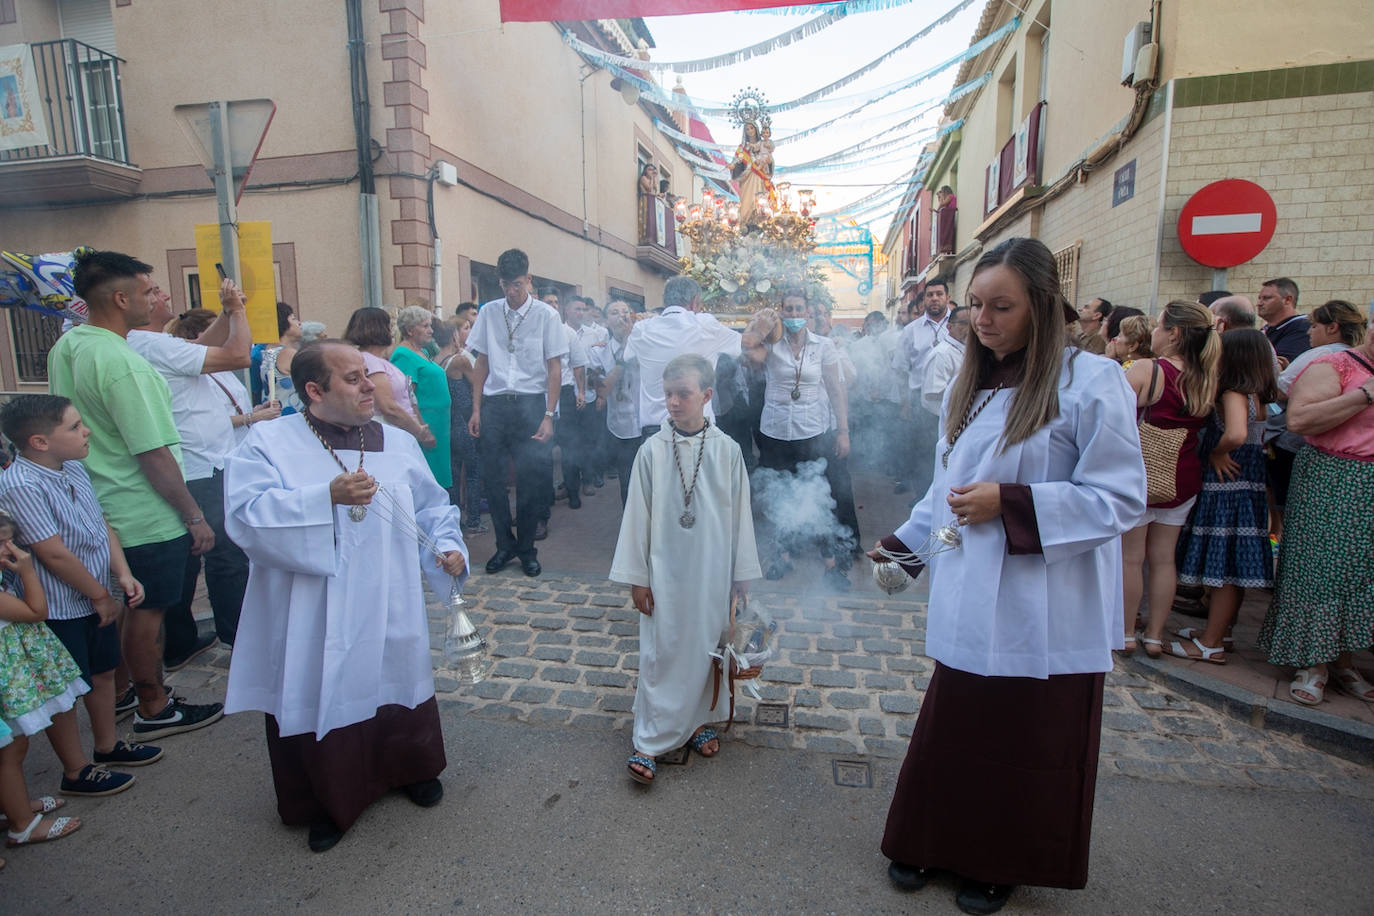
{"type": "Point", "coordinates": [38, 680]}
{"type": "Point", "coordinates": [1226, 543]}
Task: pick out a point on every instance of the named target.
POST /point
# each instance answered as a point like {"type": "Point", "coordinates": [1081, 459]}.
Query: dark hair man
{"type": "Point", "coordinates": [1277, 304]}
{"type": "Point", "coordinates": [520, 345]}
{"type": "Point", "coordinates": [314, 498]}
{"type": "Point", "coordinates": [135, 466]}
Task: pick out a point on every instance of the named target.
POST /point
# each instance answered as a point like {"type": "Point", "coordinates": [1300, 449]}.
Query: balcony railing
{"type": "Point", "coordinates": [82, 101]}
{"type": "Point", "coordinates": [657, 247]}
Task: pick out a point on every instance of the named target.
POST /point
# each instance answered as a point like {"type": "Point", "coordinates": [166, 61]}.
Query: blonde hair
{"type": "Point", "coordinates": [1199, 346]}
{"type": "Point", "coordinates": [1135, 330]}
{"type": "Point", "coordinates": [1036, 401]}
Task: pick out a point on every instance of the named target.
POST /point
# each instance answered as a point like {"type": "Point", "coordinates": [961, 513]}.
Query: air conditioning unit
{"type": "Point", "coordinates": [1136, 39]}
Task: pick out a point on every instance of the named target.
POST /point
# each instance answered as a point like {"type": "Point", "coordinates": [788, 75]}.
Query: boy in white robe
{"type": "Point", "coordinates": [687, 550]}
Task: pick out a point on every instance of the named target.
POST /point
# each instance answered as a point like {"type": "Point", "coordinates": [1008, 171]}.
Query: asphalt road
{"type": "Point", "coordinates": [544, 820]}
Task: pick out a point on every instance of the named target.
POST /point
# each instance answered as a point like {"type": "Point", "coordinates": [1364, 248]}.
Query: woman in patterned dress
{"type": "Point", "coordinates": [1226, 543]}
{"type": "Point", "coordinates": [1323, 607]}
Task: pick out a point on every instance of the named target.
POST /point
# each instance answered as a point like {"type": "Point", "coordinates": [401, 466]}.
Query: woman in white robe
{"type": "Point", "coordinates": [1039, 466]}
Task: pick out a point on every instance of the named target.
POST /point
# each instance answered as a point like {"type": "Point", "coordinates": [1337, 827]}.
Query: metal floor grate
{"type": "Point", "coordinates": [853, 774]}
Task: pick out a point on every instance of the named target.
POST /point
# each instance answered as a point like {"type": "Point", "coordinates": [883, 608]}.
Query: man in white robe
{"type": "Point", "coordinates": [685, 559]}
{"type": "Point", "coordinates": [333, 644]}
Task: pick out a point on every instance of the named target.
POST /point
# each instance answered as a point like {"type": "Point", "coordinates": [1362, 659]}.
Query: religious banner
{"type": "Point", "coordinates": [258, 281]}
{"type": "Point", "coordinates": [22, 123]}
{"type": "Point", "coordinates": [552, 10]}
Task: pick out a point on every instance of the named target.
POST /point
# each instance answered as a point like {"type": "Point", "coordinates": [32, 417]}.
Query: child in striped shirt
{"type": "Point", "coordinates": [49, 495]}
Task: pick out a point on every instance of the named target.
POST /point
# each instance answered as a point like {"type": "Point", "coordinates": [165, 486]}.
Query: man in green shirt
{"type": "Point", "coordinates": [135, 466]}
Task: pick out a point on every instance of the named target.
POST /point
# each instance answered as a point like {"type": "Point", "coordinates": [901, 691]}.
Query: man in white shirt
{"type": "Point", "coordinates": [520, 345]}
{"type": "Point", "coordinates": [945, 360]}
{"type": "Point", "coordinates": [619, 393]}
{"type": "Point", "coordinates": [873, 373]}
{"type": "Point", "coordinates": [592, 335]}
{"type": "Point", "coordinates": [575, 401]}
{"type": "Point", "coordinates": [918, 337]}
{"type": "Point", "coordinates": [681, 328]}
{"type": "Point", "coordinates": [203, 413]}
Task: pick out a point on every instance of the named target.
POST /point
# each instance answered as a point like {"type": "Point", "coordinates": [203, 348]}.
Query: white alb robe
{"type": "Point", "coordinates": [690, 571]}
{"type": "Point", "coordinates": [1059, 612]}
{"type": "Point", "coordinates": [333, 623]}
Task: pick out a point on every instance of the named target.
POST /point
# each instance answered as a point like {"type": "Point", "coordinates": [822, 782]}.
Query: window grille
{"type": "Point", "coordinates": [1066, 259]}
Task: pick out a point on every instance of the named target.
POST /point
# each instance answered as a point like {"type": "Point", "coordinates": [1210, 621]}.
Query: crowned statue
{"type": "Point", "coordinates": [752, 166]}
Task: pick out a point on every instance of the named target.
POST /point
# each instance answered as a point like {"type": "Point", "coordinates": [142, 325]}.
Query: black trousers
{"type": "Point", "coordinates": [924, 432]}
{"type": "Point", "coordinates": [785, 455]}
{"type": "Point", "coordinates": [226, 576]}
{"type": "Point", "coordinates": [508, 423]}
{"type": "Point", "coordinates": [623, 453]}
{"type": "Point", "coordinates": [573, 439]}
{"type": "Point", "coordinates": [842, 490]}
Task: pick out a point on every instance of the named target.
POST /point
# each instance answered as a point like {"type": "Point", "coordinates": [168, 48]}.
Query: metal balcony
{"type": "Point", "coordinates": [87, 153]}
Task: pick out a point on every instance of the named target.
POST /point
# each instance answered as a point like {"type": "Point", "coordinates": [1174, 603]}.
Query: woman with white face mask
{"type": "Point", "coordinates": [803, 385]}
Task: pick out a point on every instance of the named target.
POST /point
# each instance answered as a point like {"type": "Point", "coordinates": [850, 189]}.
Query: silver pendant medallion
{"type": "Point", "coordinates": [510, 347]}
{"type": "Point", "coordinates": [687, 519]}
{"type": "Point", "coordinates": [357, 513]}
{"type": "Point", "coordinates": [796, 394]}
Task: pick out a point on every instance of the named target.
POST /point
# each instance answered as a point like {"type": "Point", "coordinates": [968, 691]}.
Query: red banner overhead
{"type": "Point", "coordinates": [550, 10]}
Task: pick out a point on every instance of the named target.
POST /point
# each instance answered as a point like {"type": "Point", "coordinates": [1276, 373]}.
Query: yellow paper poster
{"type": "Point", "coordinates": [258, 281]}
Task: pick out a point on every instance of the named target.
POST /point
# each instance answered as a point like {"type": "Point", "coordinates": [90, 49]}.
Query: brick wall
{"type": "Point", "coordinates": [1313, 155]}
{"type": "Point", "coordinates": [1117, 258]}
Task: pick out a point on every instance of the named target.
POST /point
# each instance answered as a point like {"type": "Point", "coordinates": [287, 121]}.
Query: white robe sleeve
{"type": "Point", "coordinates": [281, 527]}
{"type": "Point", "coordinates": [632, 548]}
{"type": "Point", "coordinates": [1105, 493]}
{"type": "Point", "coordinates": [746, 565]}
{"type": "Point", "coordinates": [435, 515]}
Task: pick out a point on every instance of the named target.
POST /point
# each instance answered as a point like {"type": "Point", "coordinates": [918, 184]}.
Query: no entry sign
{"type": "Point", "coordinates": [1227, 223]}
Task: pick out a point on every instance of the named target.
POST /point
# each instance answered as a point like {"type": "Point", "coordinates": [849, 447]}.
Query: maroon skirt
{"type": "Point", "coordinates": [998, 782]}
{"type": "Point", "coordinates": [348, 769]}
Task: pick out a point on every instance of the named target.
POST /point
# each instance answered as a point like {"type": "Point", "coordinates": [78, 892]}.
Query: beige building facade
{"type": "Point", "coordinates": [1054, 146]}
{"type": "Point", "coordinates": [545, 151]}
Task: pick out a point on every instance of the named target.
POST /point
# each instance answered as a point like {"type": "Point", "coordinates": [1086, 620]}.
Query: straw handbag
{"type": "Point", "coordinates": [1160, 448]}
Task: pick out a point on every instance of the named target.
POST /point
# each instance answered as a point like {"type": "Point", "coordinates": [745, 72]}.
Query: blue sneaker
{"type": "Point", "coordinates": [96, 780]}
{"type": "Point", "coordinates": [125, 754]}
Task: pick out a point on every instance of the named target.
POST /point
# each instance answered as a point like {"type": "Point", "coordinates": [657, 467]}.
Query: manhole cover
{"type": "Point", "coordinates": [674, 758]}
{"type": "Point", "coordinates": [853, 774]}
{"type": "Point", "coordinates": [774, 714]}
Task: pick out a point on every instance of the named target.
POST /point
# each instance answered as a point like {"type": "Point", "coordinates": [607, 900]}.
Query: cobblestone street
{"type": "Point", "coordinates": [849, 675]}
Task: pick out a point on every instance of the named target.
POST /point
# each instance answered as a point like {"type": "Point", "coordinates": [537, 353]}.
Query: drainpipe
{"type": "Point", "coordinates": [368, 214]}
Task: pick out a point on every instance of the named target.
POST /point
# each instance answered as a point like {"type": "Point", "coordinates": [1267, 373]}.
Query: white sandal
{"type": "Point", "coordinates": [1214, 656]}
{"type": "Point", "coordinates": [1228, 642]}
{"type": "Point", "coordinates": [1313, 683]}
{"type": "Point", "coordinates": [1349, 680]}
{"type": "Point", "coordinates": [46, 805]}
{"type": "Point", "coordinates": [61, 826]}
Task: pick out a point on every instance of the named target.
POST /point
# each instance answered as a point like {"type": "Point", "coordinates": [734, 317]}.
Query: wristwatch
{"type": "Point", "coordinates": [549, 414]}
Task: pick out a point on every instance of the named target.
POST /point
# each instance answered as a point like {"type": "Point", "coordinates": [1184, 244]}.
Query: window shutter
{"type": "Point", "coordinates": [88, 21]}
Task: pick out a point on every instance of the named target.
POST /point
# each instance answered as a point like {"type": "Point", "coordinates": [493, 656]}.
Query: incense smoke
{"type": "Point", "coordinates": [798, 510]}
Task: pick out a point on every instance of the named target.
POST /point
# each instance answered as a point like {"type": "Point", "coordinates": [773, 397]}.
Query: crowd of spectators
{"type": "Point", "coordinates": [114, 501]}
